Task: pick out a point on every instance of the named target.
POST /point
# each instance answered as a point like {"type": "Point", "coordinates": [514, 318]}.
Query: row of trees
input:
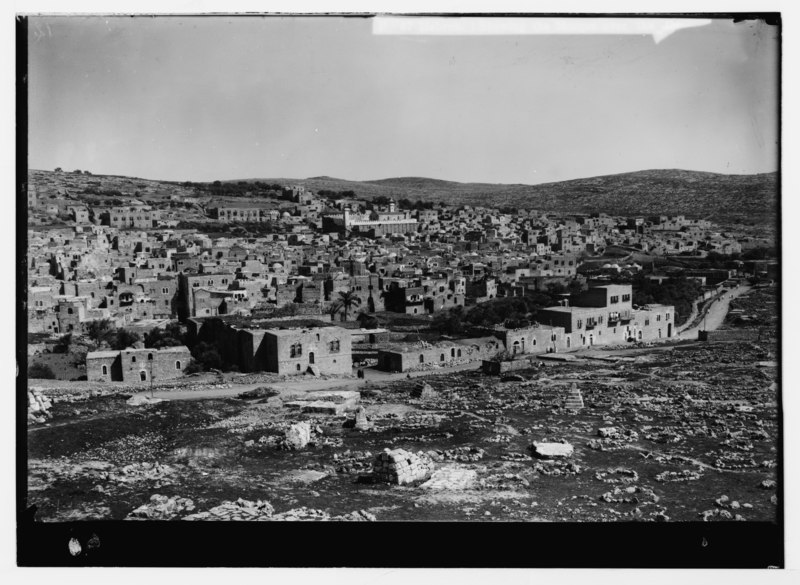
{"type": "Point", "coordinates": [104, 332]}
{"type": "Point", "coordinates": [336, 195]}
{"type": "Point", "coordinates": [512, 312]}
{"type": "Point", "coordinates": [517, 312]}
{"type": "Point", "coordinates": [220, 227]}
{"type": "Point", "coordinates": [678, 291]}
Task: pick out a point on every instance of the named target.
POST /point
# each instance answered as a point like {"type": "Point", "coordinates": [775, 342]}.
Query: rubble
{"type": "Point", "coordinates": [161, 508]}
{"type": "Point", "coordinates": [451, 477]}
{"type": "Point", "coordinates": [238, 510]}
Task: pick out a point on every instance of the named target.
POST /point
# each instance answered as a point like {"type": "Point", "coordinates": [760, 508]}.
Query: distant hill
{"type": "Point", "coordinates": [721, 198]}
{"type": "Point", "coordinates": [751, 199]}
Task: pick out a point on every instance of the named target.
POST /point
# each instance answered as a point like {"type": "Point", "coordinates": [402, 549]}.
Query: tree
{"type": "Point", "coordinates": [41, 371]}
{"type": "Point", "coordinates": [63, 343]}
{"type": "Point", "coordinates": [348, 299]}
{"type": "Point", "coordinates": [367, 321]}
{"type": "Point", "coordinates": [101, 331]}
{"type": "Point", "coordinates": [207, 356]}
{"type": "Point", "coordinates": [334, 308]}
{"type": "Point", "coordinates": [449, 322]}
{"type": "Point", "coordinates": [170, 336]}
{"type": "Point", "coordinates": [124, 339]}
{"type": "Point", "coordinates": [58, 170]}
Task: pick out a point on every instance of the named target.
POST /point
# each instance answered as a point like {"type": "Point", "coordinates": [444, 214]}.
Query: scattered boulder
{"type": "Point", "coordinates": [608, 432]}
{"type": "Point", "coordinates": [38, 406]}
{"type": "Point", "coordinates": [142, 400]}
{"type": "Point", "coordinates": [552, 450]}
{"type": "Point", "coordinates": [297, 436]}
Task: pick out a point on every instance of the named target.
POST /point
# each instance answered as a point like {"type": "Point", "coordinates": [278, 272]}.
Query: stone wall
{"type": "Point", "coordinates": [729, 335]}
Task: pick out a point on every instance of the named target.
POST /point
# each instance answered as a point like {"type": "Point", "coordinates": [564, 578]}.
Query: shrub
{"type": "Point", "coordinates": [41, 371]}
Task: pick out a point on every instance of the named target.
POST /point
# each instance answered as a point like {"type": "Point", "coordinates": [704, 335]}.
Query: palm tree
{"type": "Point", "coordinates": [334, 308]}
{"type": "Point", "coordinates": [348, 299]}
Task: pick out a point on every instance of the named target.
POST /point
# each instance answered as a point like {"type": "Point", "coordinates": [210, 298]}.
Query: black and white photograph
{"type": "Point", "coordinates": [463, 275]}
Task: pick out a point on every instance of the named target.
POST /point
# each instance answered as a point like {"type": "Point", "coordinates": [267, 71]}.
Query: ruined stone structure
{"type": "Point", "coordinates": [400, 467]}
{"type": "Point", "coordinates": [421, 355]}
{"type": "Point", "coordinates": [260, 346]}
{"type": "Point", "coordinates": [574, 400]}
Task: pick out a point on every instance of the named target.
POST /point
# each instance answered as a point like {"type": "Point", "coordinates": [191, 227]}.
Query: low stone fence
{"type": "Point", "coordinates": [492, 367]}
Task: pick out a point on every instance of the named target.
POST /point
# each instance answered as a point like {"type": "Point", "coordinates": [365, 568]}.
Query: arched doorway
{"type": "Point", "coordinates": [143, 376]}
{"type": "Point", "coordinates": [310, 357]}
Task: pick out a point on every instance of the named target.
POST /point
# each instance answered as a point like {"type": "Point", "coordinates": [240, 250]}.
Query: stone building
{"type": "Point", "coordinates": [139, 217]}
{"type": "Point", "coordinates": [604, 315]}
{"type": "Point", "coordinates": [137, 365]}
{"type": "Point", "coordinates": [191, 285]}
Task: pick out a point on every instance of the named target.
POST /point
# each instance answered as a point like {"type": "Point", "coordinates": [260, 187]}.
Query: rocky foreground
{"type": "Point", "coordinates": [658, 434]}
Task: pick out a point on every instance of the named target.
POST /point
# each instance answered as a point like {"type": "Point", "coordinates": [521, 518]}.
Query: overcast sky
{"type": "Point", "coordinates": [208, 98]}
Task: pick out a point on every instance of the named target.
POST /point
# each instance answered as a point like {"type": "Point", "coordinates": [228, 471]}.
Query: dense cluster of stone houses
{"type": "Point", "coordinates": [128, 262]}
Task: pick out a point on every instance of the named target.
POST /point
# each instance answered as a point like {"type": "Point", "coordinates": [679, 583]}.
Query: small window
{"type": "Point", "coordinates": [298, 367]}
{"type": "Point", "coordinates": [69, 311]}
{"type": "Point", "coordinates": [150, 357]}
{"type": "Point", "coordinates": [105, 370]}
{"type": "Point", "coordinates": [441, 358]}
{"type": "Point", "coordinates": [133, 359]}
{"type": "Point", "coordinates": [421, 359]}
{"type": "Point", "coordinates": [177, 365]}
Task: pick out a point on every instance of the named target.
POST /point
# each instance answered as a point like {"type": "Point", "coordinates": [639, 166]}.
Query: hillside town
{"type": "Point", "coordinates": [117, 251]}
{"type": "Point", "coordinates": [359, 330]}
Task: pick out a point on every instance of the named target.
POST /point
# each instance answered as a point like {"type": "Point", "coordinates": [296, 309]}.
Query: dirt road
{"type": "Point", "coordinates": [715, 314]}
